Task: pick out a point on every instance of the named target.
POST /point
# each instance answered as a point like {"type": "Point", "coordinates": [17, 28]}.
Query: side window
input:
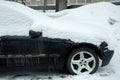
{"type": "Point", "coordinates": [12, 21]}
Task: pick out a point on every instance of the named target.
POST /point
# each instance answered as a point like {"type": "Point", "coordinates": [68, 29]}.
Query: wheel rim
{"type": "Point", "coordinates": [83, 61]}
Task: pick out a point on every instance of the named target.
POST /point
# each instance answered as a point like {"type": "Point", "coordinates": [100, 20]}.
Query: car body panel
{"type": "Point", "coordinates": [41, 51]}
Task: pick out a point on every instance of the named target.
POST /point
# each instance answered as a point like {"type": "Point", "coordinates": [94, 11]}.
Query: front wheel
{"type": "Point", "coordinates": [83, 60]}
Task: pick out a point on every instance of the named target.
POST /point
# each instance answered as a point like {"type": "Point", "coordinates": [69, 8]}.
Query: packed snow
{"type": "Point", "coordinates": [93, 23]}
{"type": "Point", "coordinates": [68, 26]}
{"type": "Point", "coordinates": [89, 21]}
{"type": "Point", "coordinates": [17, 19]}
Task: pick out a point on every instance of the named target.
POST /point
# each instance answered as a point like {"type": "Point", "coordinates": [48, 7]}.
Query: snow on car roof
{"type": "Point", "coordinates": [16, 19]}
{"type": "Point", "coordinates": [90, 23]}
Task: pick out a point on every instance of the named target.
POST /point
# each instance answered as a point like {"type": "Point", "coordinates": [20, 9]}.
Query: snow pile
{"type": "Point", "coordinates": [16, 19]}
{"type": "Point", "coordinates": [80, 25]}
{"type": "Point", "coordinates": [90, 23]}
{"type": "Point", "coordinates": [58, 14]}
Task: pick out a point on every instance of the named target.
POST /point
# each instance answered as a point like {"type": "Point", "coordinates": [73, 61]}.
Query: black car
{"type": "Point", "coordinates": [66, 44]}
{"type": "Point", "coordinates": [36, 50]}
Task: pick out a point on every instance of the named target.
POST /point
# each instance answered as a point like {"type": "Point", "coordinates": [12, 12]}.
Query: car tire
{"type": "Point", "coordinates": [82, 60]}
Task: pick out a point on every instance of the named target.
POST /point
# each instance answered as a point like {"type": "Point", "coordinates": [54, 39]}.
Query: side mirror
{"type": "Point", "coordinates": [34, 34]}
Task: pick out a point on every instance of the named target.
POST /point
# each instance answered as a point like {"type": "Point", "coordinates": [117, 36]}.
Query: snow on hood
{"type": "Point", "coordinates": [89, 23]}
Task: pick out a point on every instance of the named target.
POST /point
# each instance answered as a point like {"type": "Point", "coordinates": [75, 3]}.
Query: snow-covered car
{"type": "Point", "coordinates": [51, 43]}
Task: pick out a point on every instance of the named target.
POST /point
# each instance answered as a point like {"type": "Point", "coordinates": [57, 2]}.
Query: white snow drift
{"type": "Point", "coordinates": [16, 19]}
{"type": "Point", "coordinates": [80, 25]}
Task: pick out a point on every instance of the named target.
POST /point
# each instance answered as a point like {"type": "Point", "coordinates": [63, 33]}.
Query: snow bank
{"type": "Point", "coordinates": [16, 19]}
{"type": "Point", "coordinates": [58, 14]}
{"type": "Point", "coordinates": [90, 23]}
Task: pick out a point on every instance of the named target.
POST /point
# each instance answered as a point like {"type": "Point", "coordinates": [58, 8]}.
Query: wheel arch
{"type": "Point", "coordinates": [88, 45]}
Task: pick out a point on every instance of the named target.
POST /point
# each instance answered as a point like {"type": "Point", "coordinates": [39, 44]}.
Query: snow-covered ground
{"type": "Point", "coordinates": [100, 21]}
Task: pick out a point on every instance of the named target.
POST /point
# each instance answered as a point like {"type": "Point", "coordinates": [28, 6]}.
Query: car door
{"type": "Point", "coordinates": [22, 51]}
{"type": "Point", "coordinates": [56, 48]}
{"type": "Point", "coordinates": [21, 45]}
